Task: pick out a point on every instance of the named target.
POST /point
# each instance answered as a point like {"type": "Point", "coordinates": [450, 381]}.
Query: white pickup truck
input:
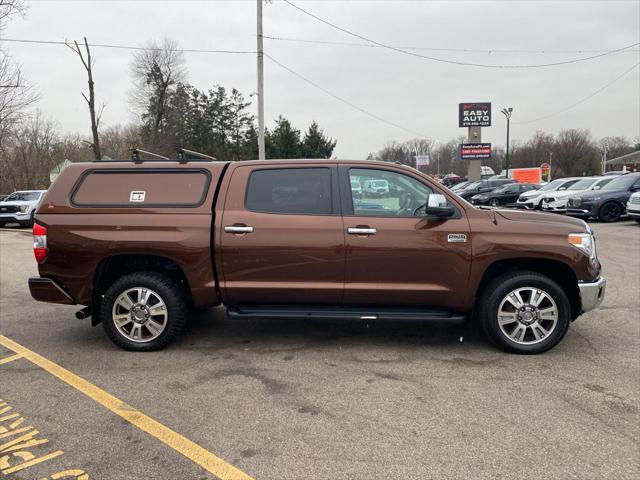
{"type": "Point", "coordinates": [19, 207]}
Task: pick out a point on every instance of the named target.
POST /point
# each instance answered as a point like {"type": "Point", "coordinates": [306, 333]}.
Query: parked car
{"type": "Point", "coordinates": [483, 186]}
{"type": "Point", "coordinates": [532, 200]}
{"type": "Point", "coordinates": [633, 206]}
{"type": "Point", "coordinates": [376, 188]}
{"type": "Point", "coordinates": [285, 238]}
{"type": "Point", "coordinates": [607, 204]}
{"type": "Point", "coordinates": [460, 186]}
{"type": "Point", "coordinates": [556, 202]}
{"type": "Point", "coordinates": [503, 195]}
{"type": "Point", "coordinates": [19, 207]}
{"type": "Point", "coordinates": [451, 179]}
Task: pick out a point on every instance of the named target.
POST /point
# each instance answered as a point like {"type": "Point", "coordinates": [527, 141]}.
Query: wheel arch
{"type": "Point", "coordinates": [115, 266]}
{"type": "Point", "coordinates": [556, 270]}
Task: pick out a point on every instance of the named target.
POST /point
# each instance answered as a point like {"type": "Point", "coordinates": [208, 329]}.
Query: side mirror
{"type": "Point", "coordinates": [562, 188]}
{"type": "Point", "coordinates": [635, 188]}
{"type": "Point", "coordinates": [437, 206]}
{"type": "Point", "coordinates": [597, 187]}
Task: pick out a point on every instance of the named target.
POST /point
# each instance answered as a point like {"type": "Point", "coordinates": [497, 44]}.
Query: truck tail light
{"type": "Point", "coordinates": [40, 249]}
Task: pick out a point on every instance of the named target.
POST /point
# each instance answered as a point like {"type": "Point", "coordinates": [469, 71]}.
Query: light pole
{"type": "Point", "coordinates": [507, 113]}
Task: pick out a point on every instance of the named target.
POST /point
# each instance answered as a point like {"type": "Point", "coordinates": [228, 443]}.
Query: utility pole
{"type": "Point", "coordinates": [604, 158]}
{"type": "Point", "coordinates": [507, 113]}
{"type": "Point", "coordinates": [261, 154]}
{"type": "Point", "coordinates": [550, 158]}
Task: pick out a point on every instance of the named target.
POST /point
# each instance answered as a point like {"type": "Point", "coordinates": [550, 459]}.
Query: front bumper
{"type": "Point", "coordinates": [592, 293]}
{"type": "Point", "coordinates": [48, 290]}
{"type": "Point", "coordinates": [14, 217]}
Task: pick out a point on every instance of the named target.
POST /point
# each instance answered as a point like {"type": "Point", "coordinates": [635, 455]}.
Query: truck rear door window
{"type": "Point", "coordinates": [141, 188]}
{"type": "Point", "coordinates": [304, 191]}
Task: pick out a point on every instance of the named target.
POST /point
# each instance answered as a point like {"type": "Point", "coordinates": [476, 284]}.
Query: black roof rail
{"type": "Point", "coordinates": [135, 155]}
{"type": "Point", "coordinates": [184, 154]}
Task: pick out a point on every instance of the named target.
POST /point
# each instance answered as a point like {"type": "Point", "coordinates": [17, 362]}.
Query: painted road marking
{"type": "Point", "coordinates": [21, 446]}
{"type": "Point", "coordinates": [189, 449]}
{"type": "Point", "coordinates": [10, 358]}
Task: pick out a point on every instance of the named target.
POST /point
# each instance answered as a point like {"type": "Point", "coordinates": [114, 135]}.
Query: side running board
{"type": "Point", "coordinates": [346, 313]}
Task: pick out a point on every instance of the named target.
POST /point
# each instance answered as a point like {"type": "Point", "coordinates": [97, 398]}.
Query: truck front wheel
{"type": "Point", "coordinates": [524, 312]}
{"type": "Point", "coordinates": [143, 311]}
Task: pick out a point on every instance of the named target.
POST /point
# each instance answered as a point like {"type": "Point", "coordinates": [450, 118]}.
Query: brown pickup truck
{"type": "Point", "coordinates": [140, 243]}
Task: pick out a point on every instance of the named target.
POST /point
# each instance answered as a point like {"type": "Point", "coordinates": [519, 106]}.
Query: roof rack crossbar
{"type": "Point", "coordinates": [183, 155]}
{"type": "Point", "coordinates": [135, 155]}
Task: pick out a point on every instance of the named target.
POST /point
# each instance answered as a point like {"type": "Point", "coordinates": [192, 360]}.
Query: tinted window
{"type": "Point", "coordinates": [139, 188]}
{"type": "Point", "coordinates": [290, 190]}
{"type": "Point", "coordinates": [621, 183]}
{"type": "Point", "coordinates": [401, 195]}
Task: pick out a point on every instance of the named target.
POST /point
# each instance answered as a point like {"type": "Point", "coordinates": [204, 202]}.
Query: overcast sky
{"type": "Point", "coordinates": [417, 94]}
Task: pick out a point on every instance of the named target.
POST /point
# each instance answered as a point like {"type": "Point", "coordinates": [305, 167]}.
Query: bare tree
{"type": "Point", "coordinates": [9, 8]}
{"type": "Point", "coordinates": [156, 71]}
{"type": "Point", "coordinates": [16, 95]}
{"type": "Point", "coordinates": [88, 63]}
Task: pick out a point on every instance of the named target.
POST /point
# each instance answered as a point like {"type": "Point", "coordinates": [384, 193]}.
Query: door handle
{"type": "Point", "coordinates": [238, 229]}
{"type": "Point", "coordinates": [361, 231]}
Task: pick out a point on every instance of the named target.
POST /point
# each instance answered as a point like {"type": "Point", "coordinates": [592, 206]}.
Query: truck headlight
{"type": "Point", "coordinates": [585, 242]}
{"type": "Point", "coordinates": [24, 208]}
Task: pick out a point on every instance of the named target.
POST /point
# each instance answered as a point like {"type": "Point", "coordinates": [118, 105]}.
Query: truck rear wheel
{"type": "Point", "coordinates": [524, 312]}
{"type": "Point", "coordinates": [143, 311]}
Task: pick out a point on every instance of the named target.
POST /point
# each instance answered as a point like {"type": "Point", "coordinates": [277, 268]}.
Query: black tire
{"type": "Point", "coordinates": [494, 202]}
{"type": "Point", "coordinates": [497, 291]}
{"type": "Point", "coordinates": [609, 212]}
{"type": "Point", "coordinates": [166, 289]}
{"type": "Point", "coordinates": [637, 220]}
{"type": "Point", "coordinates": [28, 223]}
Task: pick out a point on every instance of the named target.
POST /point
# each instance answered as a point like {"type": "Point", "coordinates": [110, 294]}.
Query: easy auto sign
{"type": "Point", "coordinates": [474, 151]}
{"type": "Point", "coordinates": [474, 114]}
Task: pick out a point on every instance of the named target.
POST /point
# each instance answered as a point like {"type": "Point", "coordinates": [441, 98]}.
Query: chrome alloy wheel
{"type": "Point", "coordinates": [139, 314]}
{"type": "Point", "coordinates": [527, 315]}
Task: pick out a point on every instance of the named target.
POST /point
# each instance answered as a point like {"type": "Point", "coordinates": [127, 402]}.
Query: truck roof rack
{"type": "Point", "coordinates": [135, 155]}
{"type": "Point", "coordinates": [184, 154]}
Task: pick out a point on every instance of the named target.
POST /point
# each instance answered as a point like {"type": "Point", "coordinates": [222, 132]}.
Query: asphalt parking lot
{"type": "Point", "coordinates": [324, 400]}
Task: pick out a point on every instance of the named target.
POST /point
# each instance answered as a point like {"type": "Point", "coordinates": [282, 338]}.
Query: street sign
{"type": "Point", "coordinates": [421, 160]}
{"type": "Point", "coordinates": [545, 167]}
{"type": "Point", "coordinates": [474, 151]}
{"type": "Point", "coordinates": [474, 114]}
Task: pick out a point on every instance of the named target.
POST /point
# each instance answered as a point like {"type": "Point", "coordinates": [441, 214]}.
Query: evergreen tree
{"type": "Point", "coordinates": [284, 141]}
{"type": "Point", "coordinates": [316, 144]}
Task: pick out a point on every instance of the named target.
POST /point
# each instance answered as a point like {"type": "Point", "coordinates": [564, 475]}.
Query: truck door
{"type": "Point", "coordinates": [395, 255]}
{"type": "Point", "coordinates": [282, 236]}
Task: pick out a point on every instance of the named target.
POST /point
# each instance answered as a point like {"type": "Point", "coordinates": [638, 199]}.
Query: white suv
{"type": "Point", "coordinates": [633, 206]}
{"type": "Point", "coordinates": [557, 201]}
{"type": "Point", "coordinates": [19, 207]}
{"type": "Point", "coordinates": [533, 198]}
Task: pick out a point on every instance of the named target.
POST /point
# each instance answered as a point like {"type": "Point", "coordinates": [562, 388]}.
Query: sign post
{"type": "Point", "coordinates": [474, 116]}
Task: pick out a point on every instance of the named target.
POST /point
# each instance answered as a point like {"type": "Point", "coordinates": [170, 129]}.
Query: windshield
{"type": "Point", "coordinates": [621, 183]}
{"type": "Point", "coordinates": [23, 196]}
{"type": "Point", "coordinates": [583, 184]}
{"type": "Point", "coordinates": [552, 185]}
{"type": "Point", "coordinates": [473, 185]}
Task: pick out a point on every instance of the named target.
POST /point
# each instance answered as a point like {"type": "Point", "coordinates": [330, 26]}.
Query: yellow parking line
{"type": "Point", "coordinates": [10, 358]}
{"type": "Point", "coordinates": [186, 447]}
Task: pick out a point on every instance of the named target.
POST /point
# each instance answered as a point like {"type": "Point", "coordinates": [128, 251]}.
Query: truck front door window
{"type": "Point", "coordinates": [386, 193]}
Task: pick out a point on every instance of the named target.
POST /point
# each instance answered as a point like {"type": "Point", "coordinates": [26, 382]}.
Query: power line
{"type": "Point", "coordinates": [454, 62]}
{"type": "Point", "coordinates": [436, 49]}
{"type": "Point", "coordinates": [124, 47]}
{"type": "Point", "coordinates": [340, 99]}
{"type": "Point", "coordinates": [588, 97]}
